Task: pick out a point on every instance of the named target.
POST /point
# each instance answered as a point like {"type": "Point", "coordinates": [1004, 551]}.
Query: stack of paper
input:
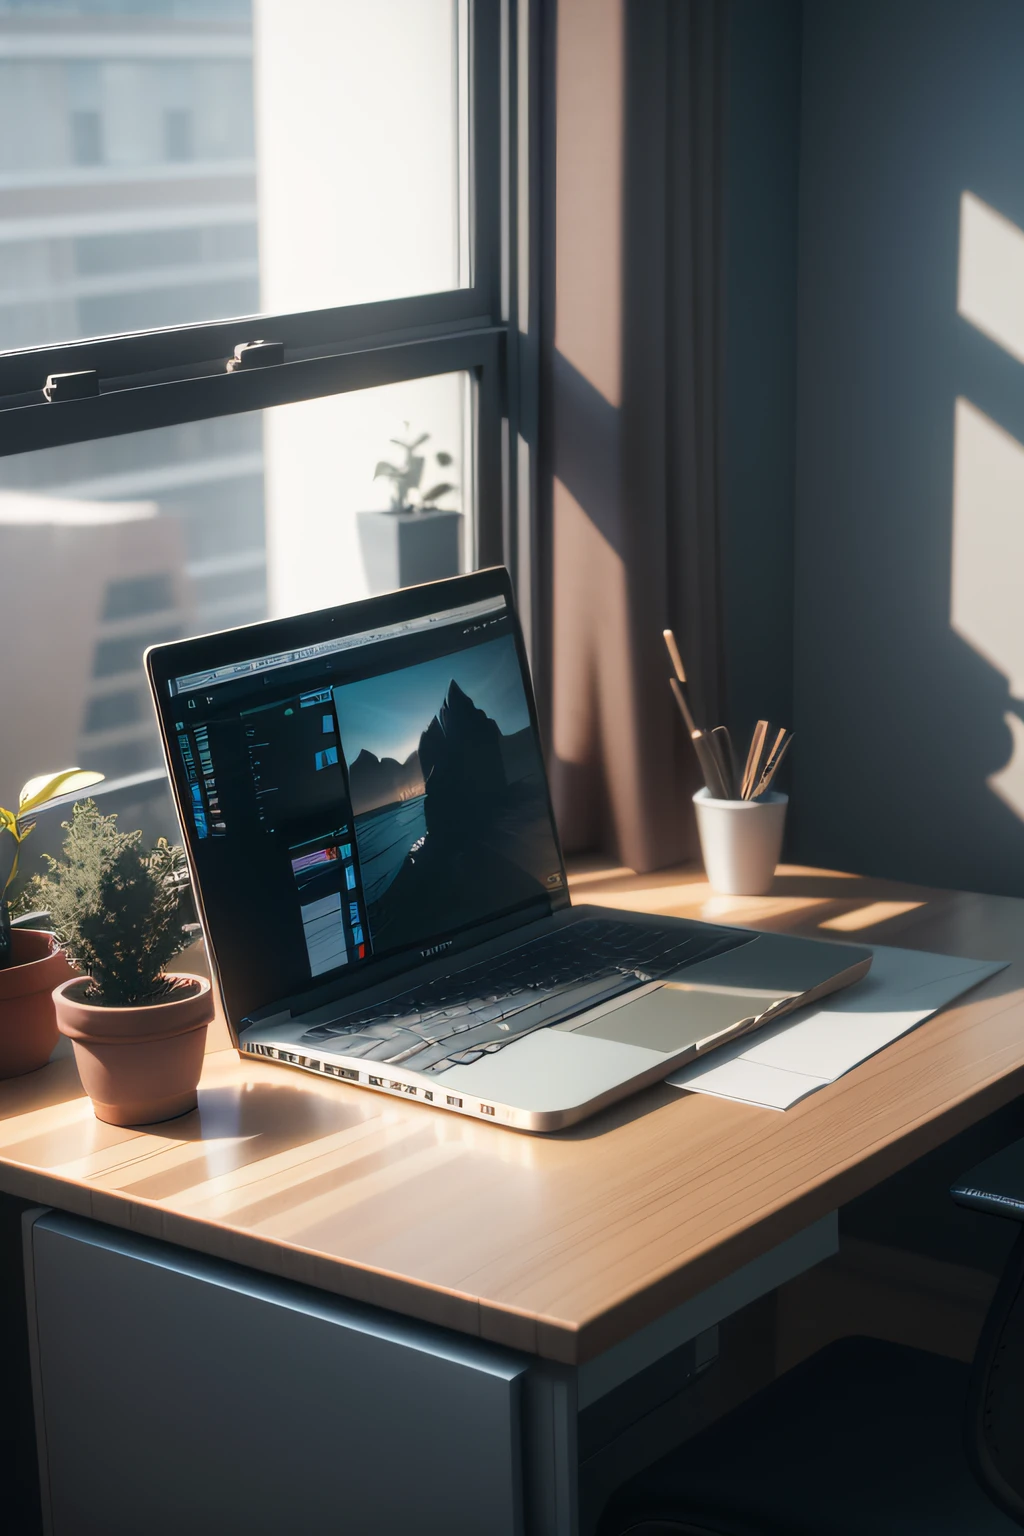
{"type": "Point", "coordinates": [783, 1063]}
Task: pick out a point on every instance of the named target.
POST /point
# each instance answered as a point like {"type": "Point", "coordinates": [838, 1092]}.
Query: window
{"type": "Point", "coordinates": [145, 123]}
{"type": "Point", "coordinates": [178, 134]}
{"type": "Point", "coordinates": [204, 174]}
{"type": "Point", "coordinates": [110, 711]}
{"type": "Point", "coordinates": [199, 527]}
{"type": "Point", "coordinates": [135, 595]}
{"type": "Point", "coordinates": [86, 137]}
{"type": "Point", "coordinates": [122, 657]}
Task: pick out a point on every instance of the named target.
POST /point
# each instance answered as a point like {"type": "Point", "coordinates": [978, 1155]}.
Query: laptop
{"type": "Point", "coordinates": [369, 830]}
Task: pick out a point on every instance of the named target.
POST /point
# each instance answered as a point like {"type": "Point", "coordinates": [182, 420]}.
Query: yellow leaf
{"type": "Point", "coordinates": [49, 785]}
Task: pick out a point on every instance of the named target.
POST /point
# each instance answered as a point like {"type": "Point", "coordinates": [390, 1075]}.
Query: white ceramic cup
{"type": "Point", "coordinates": [741, 841]}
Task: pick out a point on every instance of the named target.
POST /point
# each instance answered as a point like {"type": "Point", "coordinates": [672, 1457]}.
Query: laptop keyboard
{"type": "Point", "coordinates": [456, 1019]}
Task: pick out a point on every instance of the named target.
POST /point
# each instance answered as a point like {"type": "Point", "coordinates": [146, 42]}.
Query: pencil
{"type": "Point", "coordinates": [753, 759]}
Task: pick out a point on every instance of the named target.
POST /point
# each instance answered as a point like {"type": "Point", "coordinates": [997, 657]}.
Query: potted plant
{"type": "Point", "coordinates": [138, 1030]}
{"type": "Point", "coordinates": [31, 960]}
{"type": "Point", "coordinates": [414, 540]}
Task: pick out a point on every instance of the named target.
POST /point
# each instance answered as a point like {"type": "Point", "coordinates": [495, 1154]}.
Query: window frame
{"type": "Point", "coordinates": [167, 376]}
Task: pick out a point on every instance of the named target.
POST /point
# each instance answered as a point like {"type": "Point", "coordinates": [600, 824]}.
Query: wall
{"type": "Point", "coordinates": [909, 535]}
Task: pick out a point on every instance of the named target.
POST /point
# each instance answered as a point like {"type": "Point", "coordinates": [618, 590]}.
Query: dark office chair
{"type": "Point", "coordinates": [864, 1437]}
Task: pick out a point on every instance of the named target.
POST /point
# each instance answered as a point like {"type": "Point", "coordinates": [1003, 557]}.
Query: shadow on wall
{"type": "Point", "coordinates": [980, 775]}
{"type": "Point", "coordinates": [909, 624]}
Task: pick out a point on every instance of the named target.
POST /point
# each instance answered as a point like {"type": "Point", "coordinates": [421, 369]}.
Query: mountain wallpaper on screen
{"type": "Point", "coordinates": [374, 782]}
{"type": "Point", "coordinates": [478, 841]}
{"type": "Point", "coordinates": [463, 768]}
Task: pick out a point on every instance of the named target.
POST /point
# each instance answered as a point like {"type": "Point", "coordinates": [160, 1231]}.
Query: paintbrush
{"type": "Point", "coordinates": [771, 767]}
{"type": "Point", "coordinates": [723, 742]}
{"type": "Point", "coordinates": [674, 656]}
{"type": "Point", "coordinates": [750, 772]}
{"type": "Point", "coordinates": [764, 757]}
{"type": "Point", "coordinates": [716, 786]}
{"type": "Point", "coordinates": [712, 764]}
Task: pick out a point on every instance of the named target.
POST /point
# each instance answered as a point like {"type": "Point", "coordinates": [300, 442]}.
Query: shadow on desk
{"type": "Point", "coordinates": [627, 1112]}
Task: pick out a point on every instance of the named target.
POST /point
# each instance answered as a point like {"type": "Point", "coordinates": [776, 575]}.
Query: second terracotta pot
{"type": "Point", "coordinates": [138, 1065]}
{"type": "Point", "coordinates": [28, 1025]}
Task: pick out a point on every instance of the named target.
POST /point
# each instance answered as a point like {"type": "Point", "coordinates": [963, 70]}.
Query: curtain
{"type": "Point", "coordinates": [632, 391]}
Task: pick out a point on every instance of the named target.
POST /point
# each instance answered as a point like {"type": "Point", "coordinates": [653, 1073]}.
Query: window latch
{"type": "Point", "coordinates": [71, 386]}
{"type": "Point", "coordinates": [256, 354]}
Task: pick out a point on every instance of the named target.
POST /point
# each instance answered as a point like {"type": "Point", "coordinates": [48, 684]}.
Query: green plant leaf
{"type": "Point", "coordinates": [444, 459]}
{"type": "Point", "coordinates": [390, 470]}
{"type": "Point", "coordinates": [436, 492]}
{"type": "Point", "coordinates": [117, 910]}
{"type": "Point", "coordinates": [47, 786]}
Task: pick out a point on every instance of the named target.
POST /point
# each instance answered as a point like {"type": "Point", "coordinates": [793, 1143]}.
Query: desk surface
{"type": "Point", "coordinates": [561, 1245]}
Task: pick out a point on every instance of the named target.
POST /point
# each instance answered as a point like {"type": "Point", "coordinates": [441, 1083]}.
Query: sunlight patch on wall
{"type": "Point", "coordinates": [1008, 783]}
{"type": "Point", "coordinates": [988, 563]}
{"type": "Point", "coordinates": [991, 280]}
{"type": "Point", "coordinates": [988, 541]}
{"type": "Point", "coordinates": [590, 92]}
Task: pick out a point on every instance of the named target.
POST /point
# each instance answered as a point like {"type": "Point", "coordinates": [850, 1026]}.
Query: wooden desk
{"type": "Point", "coordinates": [560, 1245]}
{"type": "Point", "coordinates": [557, 1246]}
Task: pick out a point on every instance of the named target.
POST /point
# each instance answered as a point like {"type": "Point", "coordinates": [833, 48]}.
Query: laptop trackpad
{"type": "Point", "coordinates": [675, 1015]}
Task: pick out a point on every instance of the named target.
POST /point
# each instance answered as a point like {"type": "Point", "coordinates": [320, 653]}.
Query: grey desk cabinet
{"type": "Point", "coordinates": [176, 1393]}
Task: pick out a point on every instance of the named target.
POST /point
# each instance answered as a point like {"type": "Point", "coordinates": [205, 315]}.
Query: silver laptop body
{"type": "Point", "coordinates": [369, 829]}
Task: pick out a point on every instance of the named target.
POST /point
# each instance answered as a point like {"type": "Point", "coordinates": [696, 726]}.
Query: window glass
{"type": "Point", "coordinates": [164, 162]}
{"type": "Point", "coordinates": [109, 546]}
{"type": "Point", "coordinates": [362, 149]}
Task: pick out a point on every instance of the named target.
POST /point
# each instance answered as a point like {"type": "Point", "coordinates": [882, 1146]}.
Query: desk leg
{"type": "Point", "coordinates": [20, 1513]}
{"type": "Point", "coordinates": [550, 1454]}
{"type": "Point", "coordinates": [649, 1393]}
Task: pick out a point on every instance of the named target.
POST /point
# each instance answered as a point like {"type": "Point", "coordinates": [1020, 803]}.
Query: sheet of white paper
{"type": "Point", "coordinates": [787, 1061]}
{"type": "Point", "coordinates": [827, 1044]}
{"type": "Point", "coordinates": [753, 1082]}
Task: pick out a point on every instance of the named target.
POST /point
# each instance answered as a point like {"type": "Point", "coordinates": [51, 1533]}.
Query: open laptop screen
{"type": "Point", "coordinates": [369, 792]}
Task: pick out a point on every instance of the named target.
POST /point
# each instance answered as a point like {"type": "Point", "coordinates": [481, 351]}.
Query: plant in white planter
{"type": "Point", "coordinates": [415, 539]}
{"type": "Point", "coordinates": [138, 1030]}
{"type": "Point", "coordinates": [31, 961]}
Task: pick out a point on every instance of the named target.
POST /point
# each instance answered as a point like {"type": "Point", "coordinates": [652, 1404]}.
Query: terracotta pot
{"type": "Point", "coordinates": [28, 1022]}
{"type": "Point", "coordinates": [138, 1065]}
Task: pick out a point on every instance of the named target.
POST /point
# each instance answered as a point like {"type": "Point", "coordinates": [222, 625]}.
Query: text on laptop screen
{"type": "Point", "coordinates": [367, 795]}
